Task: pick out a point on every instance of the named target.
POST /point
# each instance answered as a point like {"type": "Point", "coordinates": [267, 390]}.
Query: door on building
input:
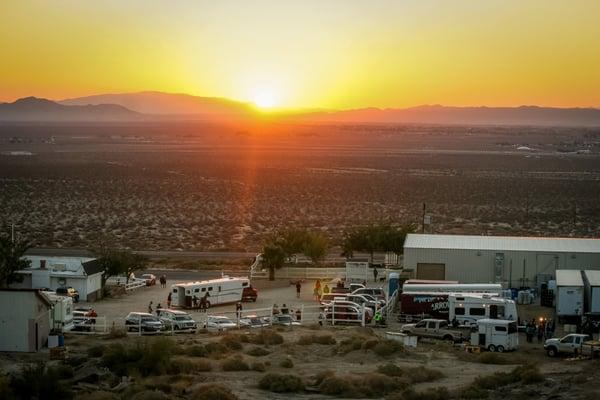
{"type": "Point", "coordinates": [431, 271]}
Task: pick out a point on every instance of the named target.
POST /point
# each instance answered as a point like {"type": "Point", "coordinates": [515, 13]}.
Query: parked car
{"type": "Point", "coordinates": [149, 278]}
{"type": "Point", "coordinates": [342, 290]}
{"type": "Point", "coordinates": [378, 293]}
{"type": "Point", "coordinates": [219, 323]}
{"type": "Point", "coordinates": [68, 291]}
{"type": "Point", "coordinates": [253, 321]}
{"type": "Point", "coordinates": [81, 321]}
{"type": "Point", "coordinates": [144, 321]}
{"type": "Point", "coordinates": [285, 320]}
{"type": "Point", "coordinates": [356, 286]}
{"type": "Point", "coordinates": [573, 344]}
{"type": "Point", "coordinates": [177, 320]}
{"type": "Point", "coordinates": [249, 294]}
{"type": "Point", "coordinates": [329, 297]}
{"type": "Point", "coordinates": [346, 312]}
{"type": "Point", "coordinates": [362, 300]}
{"type": "Point", "coordinates": [437, 329]}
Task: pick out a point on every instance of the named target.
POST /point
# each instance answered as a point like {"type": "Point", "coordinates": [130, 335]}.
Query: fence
{"type": "Point", "coordinates": [134, 283]}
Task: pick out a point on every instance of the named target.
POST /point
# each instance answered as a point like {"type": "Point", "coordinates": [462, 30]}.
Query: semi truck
{"type": "Point", "coordinates": [569, 295]}
{"type": "Point", "coordinates": [491, 288]}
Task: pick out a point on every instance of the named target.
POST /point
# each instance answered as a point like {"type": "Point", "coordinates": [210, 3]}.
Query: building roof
{"type": "Point", "coordinates": [92, 267]}
{"type": "Point", "coordinates": [593, 277]}
{"type": "Point", "coordinates": [569, 277]}
{"type": "Point", "coordinates": [38, 293]}
{"type": "Point", "coordinates": [514, 243]}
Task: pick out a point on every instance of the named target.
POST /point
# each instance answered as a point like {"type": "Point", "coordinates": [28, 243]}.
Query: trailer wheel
{"type": "Point", "coordinates": [552, 352]}
{"type": "Point", "coordinates": [491, 348]}
{"type": "Point", "coordinates": [500, 349]}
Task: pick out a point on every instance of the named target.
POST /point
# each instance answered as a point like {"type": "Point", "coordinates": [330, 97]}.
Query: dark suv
{"type": "Point", "coordinates": [249, 294]}
{"type": "Point", "coordinates": [68, 291]}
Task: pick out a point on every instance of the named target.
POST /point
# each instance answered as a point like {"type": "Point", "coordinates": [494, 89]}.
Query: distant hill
{"type": "Point", "coordinates": [174, 105]}
{"type": "Point", "coordinates": [36, 109]}
{"type": "Point", "coordinates": [436, 114]}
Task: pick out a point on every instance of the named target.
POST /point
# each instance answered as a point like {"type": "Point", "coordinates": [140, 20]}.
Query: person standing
{"type": "Point", "coordinates": [150, 308]}
{"type": "Point", "coordinates": [298, 288]}
{"type": "Point", "coordinates": [540, 332]}
{"type": "Point", "coordinates": [326, 289]}
{"type": "Point", "coordinates": [238, 310]}
{"type": "Point", "coordinates": [169, 298]}
{"type": "Point", "coordinates": [158, 307]}
{"type": "Point", "coordinates": [375, 273]}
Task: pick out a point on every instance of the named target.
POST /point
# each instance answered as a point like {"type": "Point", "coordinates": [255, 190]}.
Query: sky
{"type": "Point", "coordinates": [333, 54]}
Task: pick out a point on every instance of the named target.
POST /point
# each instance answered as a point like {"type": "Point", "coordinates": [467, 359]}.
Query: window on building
{"type": "Point", "coordinates": [459, 311]}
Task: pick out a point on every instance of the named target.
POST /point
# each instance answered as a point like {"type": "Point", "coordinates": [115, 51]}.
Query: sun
{"type": "Point", "coordinates": [265, 99]}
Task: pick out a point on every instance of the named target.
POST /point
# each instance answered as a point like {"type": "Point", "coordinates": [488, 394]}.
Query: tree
{"type": "Point", "coordinates": [11, 260]}
{"type": "Point", "coordinates": [315, 246]}
{"type": "Point", "coordinates": [273, 258]}
{"type": "Point", "coordinates": [372, 238]}
{"type": "Point", "coordinates": [119, 262]}
{"type": "Point", "coordinates": [292, 241]}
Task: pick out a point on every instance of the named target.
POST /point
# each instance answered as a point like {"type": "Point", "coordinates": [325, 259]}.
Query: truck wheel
{"type": "Point", "coordinates": [552, 352]}
{"type": "Point", "coordinates": [491, 348]}
{"type": "Point", "coordinates": [500, 349]}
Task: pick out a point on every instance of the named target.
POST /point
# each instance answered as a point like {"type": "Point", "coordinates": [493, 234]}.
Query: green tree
{"type": "Point", "coordinates": [315, 246]}
{"type": "Point", "coordinates": [11, 260]}
{"type": "Point", "coordinates": [382, 237]}
{"type": "Point", "coordinates": [273, 257]}
{"type": "Point", "coordinates": [119, 262]}
{"type": "Point", "coordinates": [292, 241]}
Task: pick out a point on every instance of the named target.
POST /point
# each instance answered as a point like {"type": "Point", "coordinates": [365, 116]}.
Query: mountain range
{"type": "Point", "coordinates": [158, 106]}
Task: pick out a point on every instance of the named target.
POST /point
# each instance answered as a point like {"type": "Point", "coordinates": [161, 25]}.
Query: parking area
{"type": "Point", "coordinates": [113, 311]}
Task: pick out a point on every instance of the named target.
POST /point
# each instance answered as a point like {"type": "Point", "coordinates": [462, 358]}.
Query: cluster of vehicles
{"type": "Point", "coordinates": [346, 304]}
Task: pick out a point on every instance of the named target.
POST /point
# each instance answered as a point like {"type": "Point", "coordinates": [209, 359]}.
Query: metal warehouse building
{"type": "Point", "coordinates": [512, 261]}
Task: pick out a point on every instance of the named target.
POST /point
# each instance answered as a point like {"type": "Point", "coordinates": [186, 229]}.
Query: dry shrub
{"type": "Point", "coordinates": [150, 395]}
{"type": "Point", "coordinates": [369, 344]}
{"type": "Point", "coordinates": [234, 364]}
{"type": "Point", "coordinates": [523, 374]}
{"type": "Point", "coordinates": [99, 395]}
{"type": "Point", "coordinates": [186, 367]}
{"type": "Point", "coordinates": [423, 374]}
{"type": "Point", "coordinates": [267, 337]}
{"type": "Point", "coordinates": [213, 392]}
{"type": "Point", "coordinates": [215, 349]}
{"type": "Point", "coordinates": [439, 393]}
{"type": "Point", "coordinates": [286, 363]}
{"type": "Point", "coordinates": [258, 352]}
{"type": "Point", "coordinates": [196, 351]}
{"type": "Point", "coordinates": [387, 347]}
{"type": "Point", "coordinates": [232, 341]}
{"type": "Point", "coordinates": [281, 383]}
{"type": "Point", "coordinates": [96, 351]}
{"type": "Point", "coordinates": [364, 385]}
{"type": "Point", "coordinates": [258, 367]}
{"type": "Point", "coordinates": [318, 339]}
{"type": "Point", "coordinates": [350, 344]}
{"type": "Point", "coordinates": [321, 376]}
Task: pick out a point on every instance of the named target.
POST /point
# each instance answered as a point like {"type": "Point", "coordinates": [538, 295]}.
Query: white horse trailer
{"type": "Point", "coordinates": [469, 308]}
{"type": "Point", "coordinates": [61, 315]}
{"type": "Point", "coordinates": [495, 335]}
{"type": "Point", "coordinates": [215, 291]}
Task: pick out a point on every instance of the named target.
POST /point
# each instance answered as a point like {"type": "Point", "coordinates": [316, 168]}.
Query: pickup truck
{"type": "Point", "coordinates": [573, 344]}
{"type": "Point", "coordinates": [435, 328]}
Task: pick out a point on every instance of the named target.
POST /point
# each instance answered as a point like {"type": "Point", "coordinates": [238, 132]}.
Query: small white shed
{"type": "Point", "coordinates": [24, 320]}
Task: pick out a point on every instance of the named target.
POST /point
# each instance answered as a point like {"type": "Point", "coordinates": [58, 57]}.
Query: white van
{"type": "Point", "coordinates": [495, 335]}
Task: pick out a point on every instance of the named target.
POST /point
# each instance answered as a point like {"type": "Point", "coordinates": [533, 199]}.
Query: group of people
{"type": "Point", "coordinates": [201, 303]}
{"type": "Point", "coordinates": [543, 330]}
{"type": "Point", "coordinates": [318, 291]}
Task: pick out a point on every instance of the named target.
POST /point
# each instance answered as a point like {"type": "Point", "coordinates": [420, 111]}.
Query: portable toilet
{"type": "Point", "coordinates": [393, 282]}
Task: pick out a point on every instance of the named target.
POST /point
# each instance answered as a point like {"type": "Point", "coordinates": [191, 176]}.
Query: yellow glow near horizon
{"type": "Point", "coordinates": [265, 99]}
{"type": "Point", "coordinates": [334, 54]}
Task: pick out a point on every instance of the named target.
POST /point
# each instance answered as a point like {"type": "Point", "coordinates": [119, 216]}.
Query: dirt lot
{"type": "Point", "coordinates": [354, 354]}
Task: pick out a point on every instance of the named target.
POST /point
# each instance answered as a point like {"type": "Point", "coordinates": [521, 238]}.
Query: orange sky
{"type": "Point", "coordinates": [309, 54]}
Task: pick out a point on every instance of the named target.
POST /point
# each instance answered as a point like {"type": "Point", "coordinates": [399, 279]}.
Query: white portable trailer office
{"type": "Point", "coordinates": [569, 293]}
{"type": "Point", "coordinates": [592, 290]}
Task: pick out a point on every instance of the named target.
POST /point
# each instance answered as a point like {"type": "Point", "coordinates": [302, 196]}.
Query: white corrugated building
{"type": "Point", "coordinates": [24, 320]}
{"type": "Point", "coordinates": [512, 261]}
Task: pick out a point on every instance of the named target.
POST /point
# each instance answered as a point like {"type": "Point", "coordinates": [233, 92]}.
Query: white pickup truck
{"type": "Point", "coordinates": [437, 329]}
{"type": "Point", "coordinates": [573, 344]}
